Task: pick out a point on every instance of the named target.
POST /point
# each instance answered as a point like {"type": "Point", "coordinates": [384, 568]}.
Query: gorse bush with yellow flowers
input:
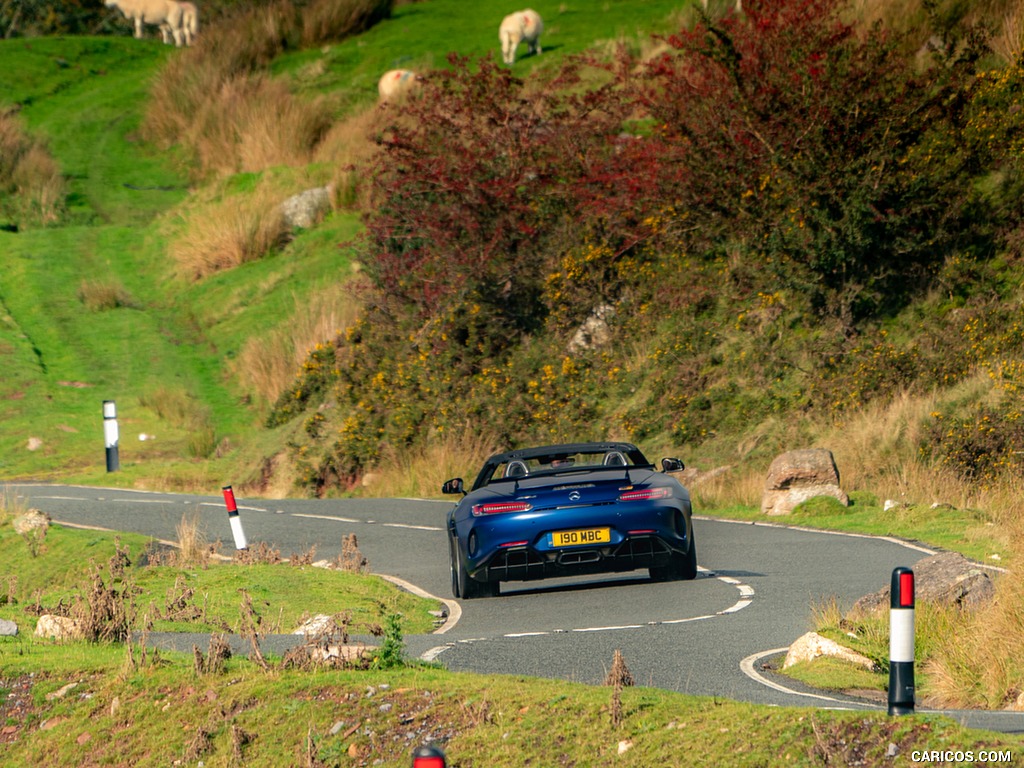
{"type": "Point", "coordinates": [752, 219]}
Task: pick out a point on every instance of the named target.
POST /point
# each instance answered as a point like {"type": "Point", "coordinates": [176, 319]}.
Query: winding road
{"type": "Point", "coordinates": [706, 637]}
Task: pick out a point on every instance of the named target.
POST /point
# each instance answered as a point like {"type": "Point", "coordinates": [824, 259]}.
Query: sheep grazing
{"type": "Point", "coordinates": [520, 27]}
{"type": "Point", "coordinates": [189, 24]}
{"type": "Point", "coordinates": [158, 12]}
{"type": "Point", "coordinates": [397, 85]}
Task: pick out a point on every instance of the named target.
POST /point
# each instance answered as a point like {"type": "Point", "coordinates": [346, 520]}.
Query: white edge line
{"type": "Point", "coordinates": [454, 609]}
{"type": "Point", "coordinates": [59, 498]}
{"type": "Point", "coordinates": [747, 666]}
{"type": "Point", "coordinates": [412, 527]}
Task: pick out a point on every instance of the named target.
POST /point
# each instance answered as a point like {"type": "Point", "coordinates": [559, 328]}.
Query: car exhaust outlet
{"type": "Point", "coordinates": [901, 642]}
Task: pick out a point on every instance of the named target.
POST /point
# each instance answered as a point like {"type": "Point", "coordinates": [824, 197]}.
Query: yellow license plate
{"type": "Point", "coordinates": [580, 537]}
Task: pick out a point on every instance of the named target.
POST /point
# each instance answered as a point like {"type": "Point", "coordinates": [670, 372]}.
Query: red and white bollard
{"type": "Point", "coordinates": [234, 519]}
{"type": "Point", "coordinates": [901, 642]}
{"type": "Point", "coordinates": [428, 756]}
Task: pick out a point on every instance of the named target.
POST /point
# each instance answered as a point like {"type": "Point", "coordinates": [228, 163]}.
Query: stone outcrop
{"type": "Point", "coordinates": [595, 331]}
{"type": "Point", "coordinates": [58, 628]}
{"type": "Point", "coordinates": [306, 209]}
{"type": "Point", "coordinates": [947, 578]}
{"type": "Point", "coordinates": [796, 476]}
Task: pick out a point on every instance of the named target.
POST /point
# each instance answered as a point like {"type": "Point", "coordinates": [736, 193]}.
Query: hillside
{"type": "Point", "coordinates": [163, 278]}
{"type": "Point", "coordinates": [790, 233]}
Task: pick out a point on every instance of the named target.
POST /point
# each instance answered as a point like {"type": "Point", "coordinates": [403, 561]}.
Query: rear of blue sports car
{"type": "Point", "coordinates": [584, 520]}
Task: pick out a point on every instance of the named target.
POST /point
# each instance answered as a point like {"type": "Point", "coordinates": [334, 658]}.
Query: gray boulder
{"type": "Point", "coordinates": [8, 628]}
{"type": "Point", "coordinates": [306, 209]}
{"type": "Point", "coordinates": [594, 332]}
{"type": "Point", "coordinates": [947, 578]}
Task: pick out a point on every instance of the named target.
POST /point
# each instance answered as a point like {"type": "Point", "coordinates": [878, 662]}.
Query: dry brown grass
{"type": "Point", "coordinates": [349, 147]}
{"type": "Point", "coordinates": [100, 294]}
{"type": "Point", "coordinates": [420, 475]}
{"type": "Point", "coordinates": [1008, 44]}
{"type": "Point", "coordinates": [216, 101]}
{"type": "Point", "coordinates": [228, 232]}
{"type": "Point", "coordinates": [193, 547]}
{"type": "Point", "coordinates": [977, 661]}
{"type": "Point", "coordinates": [29, 175]}
{"type": "Point", "coordinates": [267, 364]}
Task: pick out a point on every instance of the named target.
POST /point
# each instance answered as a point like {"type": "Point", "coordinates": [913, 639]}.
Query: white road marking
{"type": "Point", "coordinates": [59, 498]}
{"type": "Point", "coordinates": [413, 527]}
{"type": "Point", "coordinates": [220, 505]}
{"type": "Point", "coordinates": [329, 517]}
{"type": "Point", "coordinates": [143, 501]}
{"type": "Point", "coordinates": [747, 667]}
{"type": "Point", "coordinates": [746, 593]}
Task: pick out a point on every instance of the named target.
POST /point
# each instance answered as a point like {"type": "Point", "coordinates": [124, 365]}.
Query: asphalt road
{"type": "Point", "coordinates": [706, 637]}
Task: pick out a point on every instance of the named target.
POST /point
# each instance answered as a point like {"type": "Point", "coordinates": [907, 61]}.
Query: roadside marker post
{"type": "Point", "coordinates": [901, 642]}
{"type": "Point", "coordinates": [234, 519]}
{"type": "Point", "coordinates": [428, 756]}
{"type": "Point", "coordinates": [110, 435]}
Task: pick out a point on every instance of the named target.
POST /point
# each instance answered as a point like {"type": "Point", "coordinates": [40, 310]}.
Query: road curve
{"type": "Point", "coordinates": [707, 637]}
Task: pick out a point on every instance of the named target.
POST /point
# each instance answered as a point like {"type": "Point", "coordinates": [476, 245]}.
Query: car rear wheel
{"type": "Point", "coordinates": [681, 568]}
{"type": "Point", "coordinates": [462, 585]}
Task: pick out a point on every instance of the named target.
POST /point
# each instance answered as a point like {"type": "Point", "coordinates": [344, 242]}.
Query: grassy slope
{"type": "Point", "coordinates": [86, 96]}
{"type": "Point", "coordinates": [179, 336]}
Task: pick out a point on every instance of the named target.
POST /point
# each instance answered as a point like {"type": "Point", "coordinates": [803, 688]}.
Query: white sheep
{"type": "Point", "coordinates": [189, 24]}
{"type": "Point", "coordinates": [397, 84]}
{"type": "Point", "coordinates": [158, 12]}
{"type": "Point", "coordinates": [520, 27]}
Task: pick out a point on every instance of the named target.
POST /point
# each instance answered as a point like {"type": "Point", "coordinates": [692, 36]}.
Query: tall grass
{"type": "Point", "coordinates": [216, 101]}
{"type": "Point", "coordinates": [228, 232]}
{"type": "Point", "coordinates": [349, 148]}
{"type": "Point", "coordinates": [420, 474]}
{"type": "Point", "coordinates": [30, 179]}
{"type": "Point", "coordinates": [267, 364]}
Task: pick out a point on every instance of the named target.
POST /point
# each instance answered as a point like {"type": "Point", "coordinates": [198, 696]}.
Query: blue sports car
{"type": "Point", "coordinates": [563, 510]}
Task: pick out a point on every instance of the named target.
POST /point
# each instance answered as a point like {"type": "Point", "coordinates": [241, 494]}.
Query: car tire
{"type": "Point", "coordinates": [453, 565]}
{"type": "Point", "coordinates": [681, 567]}
{"type": "Point", "coordinates": [463, 586]}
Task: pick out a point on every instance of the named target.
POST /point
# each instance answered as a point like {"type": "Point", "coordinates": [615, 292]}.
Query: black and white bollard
{"type": "Point", "coordinates": [428, 756]}
{"type": "Point", "coordinates": [234, 519]}
{"type": "Point", "coordinates": [110, 434]}
{"type": "Point", "coordinates": [901, 642]}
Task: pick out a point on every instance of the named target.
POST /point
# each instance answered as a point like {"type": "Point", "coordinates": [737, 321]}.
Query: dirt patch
{"type": "Point", "coordinates": [16, 708]}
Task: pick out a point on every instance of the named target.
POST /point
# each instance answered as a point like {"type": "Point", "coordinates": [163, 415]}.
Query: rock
{"type": "Point", "coordinates": [342, 654]}
{"type": "Point", "coordinates": [31, 521]}
{"type": "Point", "coordinates": [62, 692]}
{"type": "Point", "coordinates": [947, 578]}
{"type": "Point", "coordinates": [595, 331]}
{"type": "Point", "coordinates": [8, 628]}
{"type": "Point", "coordinates": [34, 444]}
{"type": "Point", "coordinates": [316, 625]}
{"type": "Point", "coordinates": [796, 476]}
{"type": "Point", "coordinates": [813, 646]}
{"type": "Point", "coordinates": [59, 628]}
{"type": "Point", "coordinates": [306, 209]}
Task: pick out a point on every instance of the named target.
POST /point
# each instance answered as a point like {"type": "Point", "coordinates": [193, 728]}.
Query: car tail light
{"type": "Point", "coordinates": [501, 508]}
{"type": "Point", "coordinates": [646, 494]}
